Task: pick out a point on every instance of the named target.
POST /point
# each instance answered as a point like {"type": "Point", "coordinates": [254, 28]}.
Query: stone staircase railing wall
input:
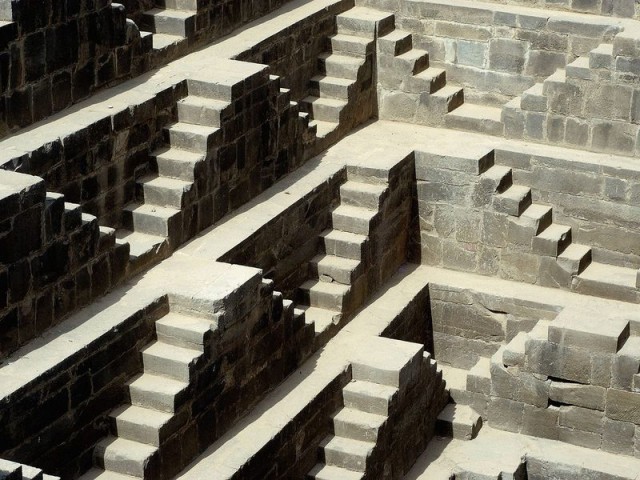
{"type": "Point", "coordinates": [54, 54]}
{"type": "Point", "coordinates": [74, 398]}
{"type": "Point", "coordinates": [54, 259]}
{"type": "Point", "coordinates": [615, 8]}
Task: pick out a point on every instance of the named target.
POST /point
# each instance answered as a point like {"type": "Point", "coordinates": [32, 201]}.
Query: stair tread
{"type": "Point", "coordinates": [347, 445]}
{"type": "Point", "coordinates": [374, 188]}
{"type": "Point", "coordinates": [536, 211]}
{"type": "Point", "coordinates": [332, 102]}
{"type": "Point", "coordinates": [345, 82]}
{"type": "Point", "coordinates": [447, 90]}
{"type": "Point", "coordinates": [339, 58]}
{"type": "Point", "coordinates": [172, 352]}
{"type": "Point", "coordinates": [139, 243]}
{"type": "Point", "coordinates": [340, 235]}
{"type": "Point", "coordinates": [163, 40]}
{"type": "Point", "coordinates": [358, 417]}
{"type": "Point", "coordinates": [554, 231]}
{"type": "Point", "coordinates": [212, 103]}
{"type": "Point", "coordinates": [370, 389]}
{"type": "Point", "coordinates": [130, 449]}
{"type": "Point", "coordinates": [355, 212]}
{"type": "Point", "coordinates": [170, 13]}
{"type": "Point", "coordinates": [612, 274]}
{"type": "Point", "coordinates": [516, 192]}
{"type": "Point", "coordinates": [336, 262]}
{"type": "Point", "coordinates": [186, 322]}
{"type": "Point", "coordinates": [326, 287]}
{"type": "Point", "coordinates": [413, 54]}
{"type": "Point", "coordinates": [323, 128]}
{"type": "Point", "coordinates": [331, 472]}
{"type": "Point", "coordinates": [364, 13]}
{"type": "Point", "coordinates": [395, 35]}
{"type": "Point", "coordinates": [165, 182]}
{"type": "Point", "coordinates": [178, 155]}
{"type": "Point", "coordinates": [192, 128]}
{"type": "Point", "coordinates": [99, 474]}
{"type": "Point", "coordinates": [429, 73]}
{"type": "Point", "coordinates": [458, 413]}
{"type": "Point", "coordinates": [350, 38]}
{"type": "Point", "coordinates": [575, 251]}
{"type": "Point", "coordinates": [152, 210]}
{"type": "Point", "coordinates": [479, 112]}
{"type": "Point", "coordinates": [321, 318]}
{"type": "Point", "coordinates": [149, 382]}
{"type": "Point", "coordinates": [141, 415]}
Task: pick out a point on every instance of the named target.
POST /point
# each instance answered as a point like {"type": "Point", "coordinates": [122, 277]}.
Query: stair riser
{"type": "Point", "coordinates": [175, 169]}
{"type": "Point", "coordinates": [364, 403]}
{"type": "Point", "coordinates": [365, 28]}
{"type": "Point", "coordinates": [143, 223]}
{"type": "Point", "coordinates": [324, 113]}
{"type": "Point", "coordinates": [481, 125]}
{"type": "Point", "coordinates": [200, 115]}
{"type": "Point", "coordinates": [360, 226]}
{"type": "Point", "coordinates": [355, 49]}
{"type": "Point", "coordinates": [154, 195]}
{"type": "Point", "coordinates": [162, 402]}
{"type": "Point", "coordinates": [345, 460]}
{"type": "Point", "coordinates": [355, 432]}
{"type": "Point", "coordinates": [426, 84]}
{"type": "Point", "coordinates": [357, 198]}
{"type": "Point", "coordinates": [344, 276]}
{"type": "Point", "coordinates": [146, 469]}
{"type": "Point", "coordinates": [395, 47]}
{"type": "Point", "coordinates": [329, 90]}
{"type": "Point", "coordinates": [180, 338]}
{"type": "Point", "coordinates": [169, 25]}
{"type": "Point", "coordinates": [193, 142]}
{"type": "Point", "coordinates": [166, 367]}
{"type": "Point", "coordinates": [343, 249]}
{"type": "Point", "coordinates": [323, 300]}
{"type": "Point", "coordinates": [336, 69]}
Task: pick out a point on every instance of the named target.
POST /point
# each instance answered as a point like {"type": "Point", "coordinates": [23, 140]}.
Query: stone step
{"type": "Point", "coordinates": [336, 269]}
{"type": "Point", "coordinates": [204, 111]}
{"type": "Point", "coordinates": [330, 296]}
{"type": "Point", "coordinates": [10, 470]}
{"type": "Point", "coordinates": [537, 217]}
{"type": "Point", "coordinates": [344, 244]}
{"type": "Point", "coordinates": [143, 248]}
{"type": "Point", "coordinates": [496, 179]}
{"type": "Point", "coordinates": [346, 453]}
{"type": "Point", "coordinates": [340, 66]}
{"type": "Point", "coordinates": [171, 361]}
{"type": "Point", "coordinates": [321, 318]}
{"type": "Point", "coordinates": [177, 163]}
{"type": "Point", "coordinates": [365, 22]}
{"type": "Point", "coordinates": [534, 99]}
{"type": "Point", "coordinates": [166, 191]}
{"type": "Point", "coordinates": [323, 129]}
{"type": "Point", "coordinates": [144, 425]}
{"type": "Point", "coordinates": [127, 457]}
{"type": "Point", "coordinates": [162, 41]}
{"type": "Point", "coordinates": [153, 220]}
{"type": "Point", "coordinates": [353, 219]}
{"type": "Point", "coordinates": [395, 43]}
{"type": "Point", "coordinates": [324, 109]}
{"type": "Point", "coordinates": [195, 138]}
{"type": "Point", "coordinates": [330, 472]}
{"type": "Point", "coordinates": [412, 62]}
{"type": "Point", "coordinates": [478, 379]}
{"type": "Point", "coordinates": [358, 425]}
{"type": "Point", "coordinates": [458, 421]}
{"type": "Point", "coordinates": [608, 281]}
{"type": "Point", "coordinates": [575, 258]}
{"type": "Point", "coordinates": [558, 77]}
{"type": "Point", "coordinates": [331, 87]}
{"type": "Point", "coordinates": [170, 22]}
{"type": "Point", "coordinates": [476, 118]}
{"type": "Point", "coordinates": [351, 45]}
{"type": "Point", "coordinates": [513, 201]}
{"type": "Point", "coordinates": [184, 330]}
{"type": "Point", "coordinates": [601, 56]}
{"type": "Point", "coordinates": [157, 392]}
{"type": "Point", "coordinates": [447, 98]}
{"type": "Point", "coordinates": [369, 397]}
{"type": "Point", "coordinates": [579, 68]}
{"type": "Point", "coordinates": [99, 474]}
{"type": "Point", "coordinates": [364, 195]}
{"type": "Point", "coordinates": [552, 240]}
{"type": "Point", "coordinates": [106, 238]}
{"type": "Point", "coordinates": [456, 382]}
{"type": "Point", "coordinates": [429, 80]}
{"type": "Point", "coordinates": [72, 216]}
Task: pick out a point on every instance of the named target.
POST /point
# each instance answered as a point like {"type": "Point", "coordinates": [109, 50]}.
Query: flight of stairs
{"type": "Point", "coordinates": [171, 22]}
{"type": "Point", "coordinates": [146, 431]}
{"type": "Point", "coordinates": [159, 221]}
{"type": "Point", "coordinates": [336, 288]}
{"type": "Point", "coordinates": [15, 471]}
{"type": "Point", "coordinates": [532, 225]}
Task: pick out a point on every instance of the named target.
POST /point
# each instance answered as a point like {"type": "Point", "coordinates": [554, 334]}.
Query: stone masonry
{"type": "Point", "coordinates": [319, 239]}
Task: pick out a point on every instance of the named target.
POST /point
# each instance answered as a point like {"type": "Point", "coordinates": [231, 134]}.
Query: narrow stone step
{"type": "Point", "coordinates": [358, 425]}
{"type": "Point", "coordinates": [579, 68]}
{"type": "Point", "coordinates": [177, 163]}
{"type": "Point", "coordinates": [323, 129]}
{"type": "Point", "coordinates": [169, 22]}
{"type": "Point", "coordinates": [448, 98]}
{"type": "Point", "coordinates": [344, 244]}
{"type": "Point", "coordinates": [513, 201]}
{"type": "Point", "coordinates": [496, 179]}
{"type": "Point", "coordinates": [99, 474]}
{"type": "Point", "coordinates": [429, 80]}
{"type": "Point", "coordinates": [188, 136]}
{"type": "Point", "coordinates": [204, 111]}
{"type": "Point", "coordinates": [412, 62]}
{"type": "Point", "coordinates": [72, 216]}
{"type": "Point", "coordinates": [127, 457]}
{"type": "Point", "coordinates": [534, 99]}
{"type": "Point", "coordinates": [456, 381]}
{"type": "Point", "coordinates": [10, 470]}
{"type": "Point", "coordinates": [331, 87]}
{"type": "Point", "coordinates": [608, 281]}
{"type": "Point", "coordinates": [346, 44]}
{"type": "Point", "coordinates": [601, 56]}
{"type": "Point", "coordinates": [320, 318]}
{"type": "Point", "coordinates": [330, 472]}
{"type": "Point", "coordinates": [162, 41]}
{"type": "Point", "coordinates": [364, 195]}
{"type": "Point", "coordinates": [353, 219]}
{"type": "Point", "coordinates": [169, 360]}
{"type": "Point", "coordinates": [575, 258]}
{"type": "Point", "coordinates": [341, 66]}
{"type": "Point", "coordinates": [153, 220]}
{"type": "Point", "coordinates": [395, 43]}
{"type": "Point", "coordinates": [476, 118]}
{"type": "Point", "coordinates": [106, 238]}
{"type": "Point", "coordinates": [330, 296]}
{"type": "Point", "coordinates": [365, 22]}
{"type": "Point", "coordinates": [552, 240]}
{"type": "Point", "coordinates": [369, 397]}
{"type": "Point", "coordinates": [458, 421]}
{"type": "Point", "coordinates": [330, 268]}
{"type": "Point", "coordinates": [142, 247]}
{"type": "Point", "coordinates": [143, 425]}
{"type": "Point", "coordinates": [157, 392]}
{"type": "Point", "coordinates": [324, 109]}
{"type": "Point", "coordinates": [479, 377]}
{"type": "Point", "coordinates": [346, 453]}
{"type": "Point", "coordinates": [537, 217]}
{"type": "Point", "coordinates": [184, 330]}
{"type": "Point", "coordinates": [166, 191]}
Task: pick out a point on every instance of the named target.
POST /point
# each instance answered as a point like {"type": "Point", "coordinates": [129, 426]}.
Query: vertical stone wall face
{"type": "Point", "coordinates": [54, 54]}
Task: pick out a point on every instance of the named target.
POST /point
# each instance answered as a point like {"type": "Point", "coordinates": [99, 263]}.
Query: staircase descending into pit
{"type": "Point", "coordinates": [170, 22]}
{"type": "Point", "coordinates": [159, 220]}
{"type": "Point", "coordinates": [339, 272]}
{"type": "Point", "coordinates": [146, 433]}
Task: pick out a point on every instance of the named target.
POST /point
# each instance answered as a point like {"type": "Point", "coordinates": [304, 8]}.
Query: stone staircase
{"type": "Point", "coordinates": [170, 22]}
{"type": "Point", "coordinates": [532, 225]}
{"type": "Point", "coordinates": [476, 118]}
{"type": "Point", "coordinates": [147, 433]}
{"type": "Point", "coordinates": [344, 71]}
{"type": "Point", "coordinates": [15, 471]}
{"type": "Point", "coordinates": [159, 221]}
{"type": "Point", "coordinates": [337, 286]}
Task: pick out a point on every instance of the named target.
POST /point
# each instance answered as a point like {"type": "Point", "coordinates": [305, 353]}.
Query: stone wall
{"type": "Point", "coordinates": [54, 54]}
{"type": "Point", "coordinates": [54, 259]}
{"type": "Point", "coordinates": [616, 8]}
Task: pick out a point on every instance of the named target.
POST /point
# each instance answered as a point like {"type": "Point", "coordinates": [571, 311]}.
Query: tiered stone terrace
{"type": "Point", "coordinates": [319, 239]}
